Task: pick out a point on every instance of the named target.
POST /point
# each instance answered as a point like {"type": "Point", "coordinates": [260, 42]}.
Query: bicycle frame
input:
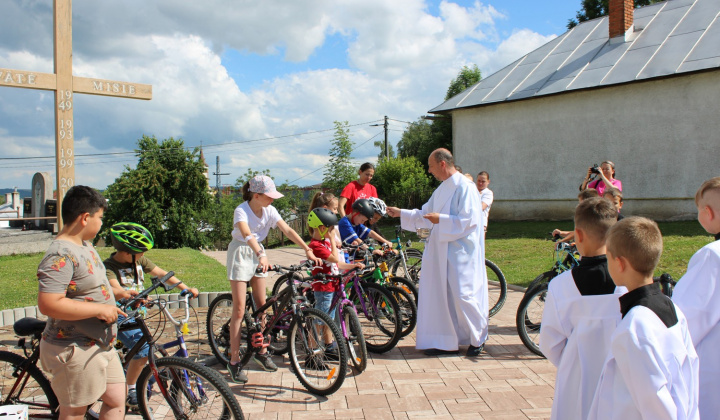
{"type": "Point", "coordinates": [23, 375]}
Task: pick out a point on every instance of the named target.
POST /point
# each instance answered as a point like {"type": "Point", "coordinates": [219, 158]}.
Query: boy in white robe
{"type": "Point", "coordinates": [652, 369]}
{"type": "Point", "coordinates": [698, 293]}
{"type": "Point", "coordinates": [581, 312]}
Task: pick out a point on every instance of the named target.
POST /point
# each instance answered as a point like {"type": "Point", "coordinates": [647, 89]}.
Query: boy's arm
{"type": "Point", "coordinates": [56, 305]}
{"type": "Point", "coordinates": [641, 368]}
{"type": "Point", "coordinates": [553, 338]}
{"type": "Point", "coordinates": [697, 294]}
{"type": "Point", "coordinates": [159, 272]}
{"type": "Point", "coordinates": [118, 290]}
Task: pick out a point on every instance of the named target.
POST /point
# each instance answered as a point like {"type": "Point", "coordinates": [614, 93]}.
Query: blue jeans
{"type": "Point", "coordinates": [323, 300]}
{"type": "Point", "coordinates": [130, 337]}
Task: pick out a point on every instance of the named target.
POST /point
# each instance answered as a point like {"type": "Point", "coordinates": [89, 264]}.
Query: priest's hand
{"type": "Point", "coordinates": [393, 211]}
{"type": "Point", "coordinates": [434, 218]}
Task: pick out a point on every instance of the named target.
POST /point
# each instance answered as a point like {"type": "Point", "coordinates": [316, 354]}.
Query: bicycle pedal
{"type": "Point", "coordinates": [258, 340]}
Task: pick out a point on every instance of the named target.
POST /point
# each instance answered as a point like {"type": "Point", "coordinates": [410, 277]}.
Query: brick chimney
{"type": "Point", "coordinates": [621, 17]}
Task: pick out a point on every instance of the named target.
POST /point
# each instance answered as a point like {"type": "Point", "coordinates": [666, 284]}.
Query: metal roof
{"type": "Point", "coordinates": [670, 38]}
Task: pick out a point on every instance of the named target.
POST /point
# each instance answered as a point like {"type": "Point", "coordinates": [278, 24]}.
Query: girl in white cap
{"type": "Point", "coordinates": [252, 221]}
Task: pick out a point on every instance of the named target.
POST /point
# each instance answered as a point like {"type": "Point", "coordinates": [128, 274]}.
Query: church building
{"type": "Point", "coordinates": [640, 87]}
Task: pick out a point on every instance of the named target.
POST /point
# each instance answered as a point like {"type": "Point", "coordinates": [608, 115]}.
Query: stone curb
{"type": "Point", "coordinates": [9, 316]}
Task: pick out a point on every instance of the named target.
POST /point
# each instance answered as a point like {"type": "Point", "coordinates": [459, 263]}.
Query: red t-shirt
{"type": "Point", "coordinates": [354, 191]}
{"type": "Point", "coordinates": [322, 250]}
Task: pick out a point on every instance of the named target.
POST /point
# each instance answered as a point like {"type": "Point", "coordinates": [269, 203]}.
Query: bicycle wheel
{"type": "Point", "coordinates": [355, 339]}
{"type": "Point", "coordinates": [529, 317]}
{"type": "Point", "coordinates": [543, 278]}
{"type": "Point", "coordinates": [35, 390]}
{"type": "Point", "coordinates": [378, 312]}
{"type": "Point", "coordinates": [405, 284]}
{"type": "Point", "coordinates": [218, 327]}
{"type": "Point", "coordinates": [281, 282]}
{"type": "Point", "coordinates": [197, 392]}
{"type": "Point", "coordinates": [320, 371]}
{"type": "Point", "coordinates": [413, 261]}
{"type": "Point", "coordinates": [408, 309]}
{"type": "Point", "coordinates": [497, 287]}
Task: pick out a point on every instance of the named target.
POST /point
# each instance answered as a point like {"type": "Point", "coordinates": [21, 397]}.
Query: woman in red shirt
{"type": "Point", "coordinates": [357, 189]}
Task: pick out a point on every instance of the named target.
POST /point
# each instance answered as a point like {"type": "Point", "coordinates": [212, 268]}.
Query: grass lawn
{"type": "Point", "coordinates": [522, 250]}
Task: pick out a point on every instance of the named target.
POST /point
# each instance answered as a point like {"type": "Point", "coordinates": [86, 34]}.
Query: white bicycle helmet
{"type": "Point", "coordinates": [378, 206]}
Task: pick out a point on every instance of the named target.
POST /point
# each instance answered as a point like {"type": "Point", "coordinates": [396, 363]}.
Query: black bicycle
{"type": "Point", "coordinates": [172, 387]}
{"type": "Point", "coordinates": [320, 370]}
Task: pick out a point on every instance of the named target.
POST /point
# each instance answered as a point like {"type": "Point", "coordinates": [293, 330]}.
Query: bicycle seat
{"type": "Point", "coordinates": [29, 326]}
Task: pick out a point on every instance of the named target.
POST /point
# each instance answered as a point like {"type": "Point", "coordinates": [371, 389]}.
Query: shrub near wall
{"type": "Point", "coordinates": [402, 182]}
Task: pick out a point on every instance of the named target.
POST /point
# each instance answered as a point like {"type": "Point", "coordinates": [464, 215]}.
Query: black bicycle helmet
{"type": "Point", "coordinates": [131, 237]}
{"type": "Point", "coordinates": [363, 207]}
{"type": "Point", "coordinates": [321, 217]}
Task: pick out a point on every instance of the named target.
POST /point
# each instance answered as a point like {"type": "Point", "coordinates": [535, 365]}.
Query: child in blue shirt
{"type": "Point", "coordinates": [352, 229]}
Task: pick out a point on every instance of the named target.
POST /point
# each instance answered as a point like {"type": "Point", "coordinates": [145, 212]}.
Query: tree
{"type": "Point", "coordinates": [592, 9]}
{"type": "Point", "coordinates": [167, 192]}
{"type": "Point", "coordinates": [422, 137]}
{"type": "Point", "coordinates": [340, 170]}
{"type": "Point", "coordinates": [381, 144]}
{"type": "Point", "coordinates": [402, 182]}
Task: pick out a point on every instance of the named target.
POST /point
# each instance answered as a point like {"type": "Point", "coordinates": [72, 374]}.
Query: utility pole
{"type": "Point", "coordinates": [385, 126]}
{"type": "Point", "coordinates": [387, 153]}
{"type": "Point", "coordinates": [217, 174]}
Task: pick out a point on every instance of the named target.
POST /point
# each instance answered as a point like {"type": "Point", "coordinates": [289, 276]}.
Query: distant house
{"type": "Point", "coordinates": [11, 209]}
{"type": "Point", "coordinates": [640, 87]}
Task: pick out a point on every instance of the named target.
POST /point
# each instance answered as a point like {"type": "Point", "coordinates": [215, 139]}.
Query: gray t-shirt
{"type": "Point", "coordinates": [78, 272]}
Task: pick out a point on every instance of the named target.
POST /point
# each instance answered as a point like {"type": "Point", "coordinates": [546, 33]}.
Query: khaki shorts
{"type": "Point", "coordinates": [80, 374]}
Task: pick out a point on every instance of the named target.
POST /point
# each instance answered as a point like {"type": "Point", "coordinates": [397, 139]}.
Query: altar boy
{"type": "Point", "coordinates": [652, 369]}
{"type": "Point", "coordinates": [581, 312]}
{"type": "Point", "coordinates": [698, 294]}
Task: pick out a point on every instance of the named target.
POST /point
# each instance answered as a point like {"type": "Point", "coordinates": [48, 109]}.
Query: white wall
{"type": "Point", "coordinates": [663, 135]}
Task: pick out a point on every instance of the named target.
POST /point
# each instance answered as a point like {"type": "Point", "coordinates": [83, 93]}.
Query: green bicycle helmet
{"type": "Point", "coordinates": [131, 238]}
{"type": "Point", "coordinates": [363, 207]}
{"type": "Point", "coordinates": [321, 217]}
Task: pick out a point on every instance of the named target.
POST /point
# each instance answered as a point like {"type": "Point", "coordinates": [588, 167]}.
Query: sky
{"type": "Point", "coordinates": [258, 84]}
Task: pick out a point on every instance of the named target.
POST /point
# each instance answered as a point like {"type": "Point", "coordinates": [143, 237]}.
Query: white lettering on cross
{"type": "Point", "coordinates": [17, 78]}
{"type": "Point", "coordinates": [110, 87]}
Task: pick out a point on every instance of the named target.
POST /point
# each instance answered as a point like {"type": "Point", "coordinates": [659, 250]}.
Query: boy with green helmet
{"type": "Point", "coordinates": [125, 270]}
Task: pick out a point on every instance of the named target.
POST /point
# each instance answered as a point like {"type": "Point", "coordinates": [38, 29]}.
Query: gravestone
{"type": "Point", "coordinates": [41, 192]}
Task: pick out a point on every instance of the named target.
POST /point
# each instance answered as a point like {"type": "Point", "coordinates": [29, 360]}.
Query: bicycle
{"type": "Point", "coordinates": [409, 264]}
{"type": "Point", "coordinates": [172, 386]}
{"type": "Point", "coordinates": [318, 371]}
{"type": "Point", "coordinates": [349, 322]}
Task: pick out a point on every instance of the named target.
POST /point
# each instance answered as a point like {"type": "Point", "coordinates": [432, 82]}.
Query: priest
{"type": "Point", "coordinates": [453, 306]}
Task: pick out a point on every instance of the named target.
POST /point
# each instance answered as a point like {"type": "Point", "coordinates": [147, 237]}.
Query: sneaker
{"type": "Point", "coordinates": [312, 363]}
{"type": "Point", "coordinates": [474, 351]}
{"type": "Point", "coordinates": [265, 362]}
{"type": "Point", "coordinates": [132, 401]}
{"type": "Point", "coordinates": [236, 373]}
{"type": "Point", "coordinates": [331, 353]}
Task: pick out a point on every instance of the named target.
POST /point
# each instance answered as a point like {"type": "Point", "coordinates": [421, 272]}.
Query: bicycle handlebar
{"type": "Point", "coordinates": [129, 303]}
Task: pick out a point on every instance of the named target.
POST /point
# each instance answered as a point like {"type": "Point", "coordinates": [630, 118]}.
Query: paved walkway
{"type": "Point", "coordinates": [506, 382]}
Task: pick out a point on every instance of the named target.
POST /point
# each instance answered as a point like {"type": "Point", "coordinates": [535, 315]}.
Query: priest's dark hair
{"type": "Point", "coordinates": [79, 200]}
{"type": "Point", "coordinates": [444, 155]}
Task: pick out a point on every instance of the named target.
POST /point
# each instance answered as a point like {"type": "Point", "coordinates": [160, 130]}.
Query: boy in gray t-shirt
{"type": "Point", "coordinates": [77, 344]}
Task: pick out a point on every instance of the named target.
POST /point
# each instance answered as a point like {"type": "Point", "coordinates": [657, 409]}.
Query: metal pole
{"type": "Point", "coordinates": [387, 154]}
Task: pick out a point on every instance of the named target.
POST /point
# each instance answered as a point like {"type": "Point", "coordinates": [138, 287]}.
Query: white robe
{"type": "Point", "coordinates": [453, 306]}
{"type": "Point", "coordinates": [575, 337]}
{"type": "Point", "coordinates": [697, 294]}
{"type": "Point", "coordinates": [650, 373]}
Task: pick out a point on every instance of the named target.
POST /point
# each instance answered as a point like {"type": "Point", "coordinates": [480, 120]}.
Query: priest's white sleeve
{"type": "Point", "coordinates": [413, 219]}
{"type": "Point", "coordinates": [553, 337]}
{"type": "Point", "coordinates": [698, 292]}
{"type": "Point", "coordinates": [456, 226]}
{"type": "Point", "coordinates": [641, 366]}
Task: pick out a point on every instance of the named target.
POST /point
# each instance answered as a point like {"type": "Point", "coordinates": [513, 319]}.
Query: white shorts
{"type": "Point", "coordinates": [242, 262]}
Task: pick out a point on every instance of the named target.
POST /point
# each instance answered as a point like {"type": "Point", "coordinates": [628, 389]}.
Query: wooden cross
{"type": "Point", "coordinates": [65, 85]}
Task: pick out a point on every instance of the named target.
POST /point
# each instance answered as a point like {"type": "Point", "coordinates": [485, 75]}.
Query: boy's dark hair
{"type": "Point", "coordinates": [487, 175]}
{"type": "Point", "coordinates": [588, 193]}
{"type": "Point", "coordinates": [614, 192]}
{"type": "Point", "coordinates": [595, 216]}
{"type": "Point", "coordinates": [639, 241]}
{"type": "Point", "coordinates": [81, 199]}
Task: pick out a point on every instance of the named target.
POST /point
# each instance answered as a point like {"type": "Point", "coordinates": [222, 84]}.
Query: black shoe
{"type": "Point", "coordinates": [132, 400]}
{"type": "Point", "coordinates": [438, 352]}
{"type": "Point", "coordinates": [265, 362]}
{"type": "Point", "coordinates": [236, 373]}
{"type": "Point", "coordinates": [332, 353]}
{"type": "Point", "coordinates": [473, 351]}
